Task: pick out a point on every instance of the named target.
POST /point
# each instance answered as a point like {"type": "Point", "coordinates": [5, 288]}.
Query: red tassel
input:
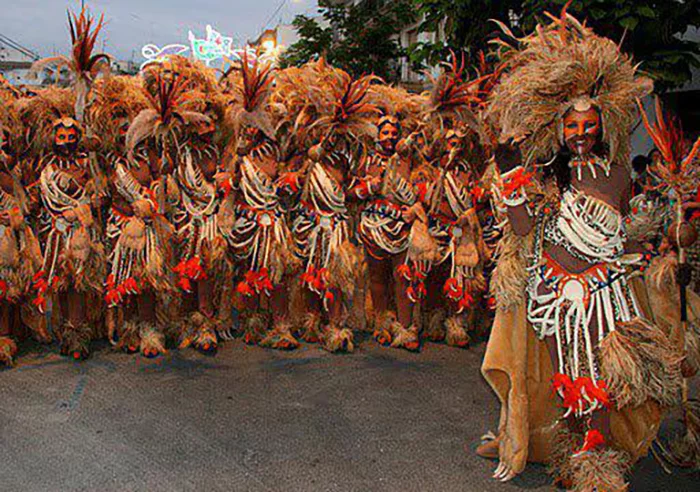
{"type": "Point", "coordinates": [244, 288]}
{"type": "Point", "coordinates": [594, 439]}
{"type": "Point", "coordinates": [404, 270]}
{"type": "Point", "coordinates": [185, 284]}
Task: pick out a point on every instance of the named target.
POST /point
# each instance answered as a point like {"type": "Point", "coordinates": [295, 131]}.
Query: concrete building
{"type": "Point", "coordinates": [15, 61]}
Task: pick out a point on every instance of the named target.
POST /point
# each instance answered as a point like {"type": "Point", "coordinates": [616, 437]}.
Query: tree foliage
{"type": "Point", "coordinates": [649, 29]}
{"type": "Point", "coordinates": [361, 38]}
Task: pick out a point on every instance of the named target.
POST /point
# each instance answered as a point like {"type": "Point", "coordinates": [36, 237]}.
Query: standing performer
{"type": "Point", "coordinates": [450, 195]}
{"type": "Point", "coordinates": [139, 235]}
{"type": "Point", "coordinates": [73, 268]}
{"type": "Point", "coordinates": [390, 206]}
{"type": "Point", "coordinates": [582, 371]}
{"type": "Point", "coordinates": [260, 238]}
{"type": "Point", "coordinates": [331, 262]}
{"type": "Point", "coordinates": [20, 255]}
{"type": "Point", "coordinates": [203, 215]}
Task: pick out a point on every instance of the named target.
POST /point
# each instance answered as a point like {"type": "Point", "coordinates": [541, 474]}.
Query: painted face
{"type": "Point", "coordinates": [388, 137]}
{"type": "Point", "coordinates": [65, 140]}
{"type": "Point", "coordinates": [581, 130]}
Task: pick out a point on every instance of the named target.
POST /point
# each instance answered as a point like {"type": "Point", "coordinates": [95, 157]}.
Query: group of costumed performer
{"type": "Point", "coordinates": [587, 352]}
{"type": "Point", "coordinates": [157, 203]}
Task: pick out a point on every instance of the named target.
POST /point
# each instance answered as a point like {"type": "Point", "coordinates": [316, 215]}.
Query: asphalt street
{"type": "Point", "coordinates": [251, 419]}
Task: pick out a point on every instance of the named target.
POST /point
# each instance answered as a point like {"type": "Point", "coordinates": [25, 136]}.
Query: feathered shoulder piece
{"type": "Point", "coordinates": [115, 101]}
{"type": "Point", "coordinates": [679, 168]}
{"type": "Point", "coordinates": [167, 111]}
{"type": "Point", "coordinates": [562, 64]}
{"type": "Point", "coordinates": [251, 103]}
{"type": "Point", "coordinates": [39, 112]}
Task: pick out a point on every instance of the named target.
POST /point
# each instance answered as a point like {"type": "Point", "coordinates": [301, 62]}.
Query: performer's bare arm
{"type": "Point", "coordinates": [508, 158]}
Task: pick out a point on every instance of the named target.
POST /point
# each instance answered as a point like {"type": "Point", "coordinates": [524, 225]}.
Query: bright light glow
{"type": "Point", "coordinates": [268, 45]}
{"type": "Point", "coordinates": [154, 54]}
{"type": "Point", "coordinates": [215, 46]}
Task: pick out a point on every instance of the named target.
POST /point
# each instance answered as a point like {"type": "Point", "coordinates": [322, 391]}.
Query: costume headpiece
{"type": "Point", "coordinates": [454, 99]}
{"type": "Point", "coordinates": [344, 106]}
{"type": "Point", "coordinates": [39, 113]}
{"type": "Point", "coordinates": [397, 106]}
{"type": "Point", "coordinates": [114, 100]}
{"type": "Point", "coordinates": [564, 65]}
{"type": "Point", "coordinates": [251, 104]}
{"type": "Point", "coordinates": [168, 109]}
{"type": "Point", "coordinates": [83, 65]}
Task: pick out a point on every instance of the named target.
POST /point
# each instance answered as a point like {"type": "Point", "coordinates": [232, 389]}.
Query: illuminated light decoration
{"type": "Point", "coordinates": [215, 46]}
{"type": "Point", "coordinates": [154, 54]}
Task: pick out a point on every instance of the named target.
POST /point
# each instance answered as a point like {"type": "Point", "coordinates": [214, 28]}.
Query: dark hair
{"type": "Point", "coordinates": [640, 163]}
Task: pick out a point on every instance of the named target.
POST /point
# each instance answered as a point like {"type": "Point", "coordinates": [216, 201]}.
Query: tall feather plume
{"type": "Point", "coordinates": [250, 103]}
{"type": "Point", "coordinates": [83, 65]}
{"type": "Point", "coordinates": [679, 168]}
{"type": "Point", "coordinates": [167, 110]}
{"type": "Point", "coordinates": [257, 83]}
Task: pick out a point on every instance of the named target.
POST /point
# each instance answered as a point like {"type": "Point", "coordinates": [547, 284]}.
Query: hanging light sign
{"type": "Point", "coordinates": [214, 47]}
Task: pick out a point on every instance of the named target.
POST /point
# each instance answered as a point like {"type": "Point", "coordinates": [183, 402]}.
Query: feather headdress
{"type": "Point", "coordinates": [167, 112]}
{"type": "Point", "coordinates": [39, 113]}
{"type": "Point", "coordinates": [454, 100]}
{"type": "Point", "coordinates": [251, 105]}
{"type": "Point", "coordinates": [83, 65]}
{"type": "Point", "coordinates": [562, 64]}
{"type": "Point", "coordinates": [398, 103]}
{"type": "Point", "coordinates": [115, 100]}
{"type": "Point", "coordinates": [344, 107]}
{"type": "Point", "coordinates": [679, 168]}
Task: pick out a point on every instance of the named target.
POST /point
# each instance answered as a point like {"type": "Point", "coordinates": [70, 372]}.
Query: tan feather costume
{"type": "Point", "coordinates": [20, 255]}
{"type": "Point", "coordinates": [140, 237]}
{"type": "Point", "coordinates": [614, 351]}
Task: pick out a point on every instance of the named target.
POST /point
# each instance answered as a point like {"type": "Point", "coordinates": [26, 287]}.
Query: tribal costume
{"type": "Point", "coordinates": [583, 368]}
{"type": "Point", "coordinates": [20, 255]}
{"type": "Point", "coordinates": [74, 260]}
{"type": "Point", "coordinates": [390, 206]}
{"type": "Point", "coordinates": [260, 238]}
{"type": "Point", "coordinates": [451, 192]}
{"type": "Point", "coordinates": [139, 275]}
{"type": "Point", "coordinates": [201, 213]}
{"type": "Point", "coordinates": [321, 227]}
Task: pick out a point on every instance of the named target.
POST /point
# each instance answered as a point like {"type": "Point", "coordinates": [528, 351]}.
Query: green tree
{"type": "Point", "coordinates": [457, 25]}
{"type": "Point", "coordinates": [649, 29]}
{"type": "Point", "coordinates": [360, 38]}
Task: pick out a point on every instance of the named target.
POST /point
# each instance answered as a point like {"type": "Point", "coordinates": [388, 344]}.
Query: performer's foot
{"type": "Point", "coordinates": [488, 449]}
{"type": "Point", "coordinates": [8, 351]}
{"type": "Point", "coordinates": [435, 329]}
{"type": "Point", "coordinates": [280, 337]}
{"type": "Point", "coordinates": [337, 339]}
{"type": "Point", "coordinates": [456, 333]}
{"type": "Point", "coordinates": [129, 338]}
{"type": "Point", "coordinates": [152, 341]}
{"type": "Point", "coordinates": [75, 341]}
{"type": "Point", "coordinates": [311, 329]}
{"type": "Point", "coordinates": [406, 338]}
{"type": "Point", "coordinates": [382, 337]}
